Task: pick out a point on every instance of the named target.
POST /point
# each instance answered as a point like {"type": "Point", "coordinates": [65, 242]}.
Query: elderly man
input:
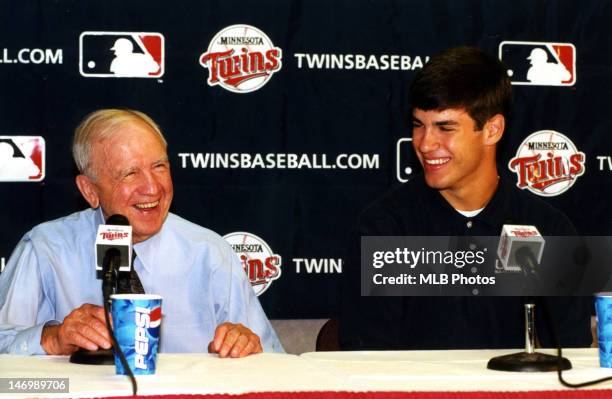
{"type": "Point", "coordinates": [49, 295]}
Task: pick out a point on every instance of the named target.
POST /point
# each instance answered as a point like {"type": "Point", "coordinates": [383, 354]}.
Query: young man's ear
{"type": "Point", "coordinates": [494, 129]}
{"type": "Point", "coordinates": [88, 190]}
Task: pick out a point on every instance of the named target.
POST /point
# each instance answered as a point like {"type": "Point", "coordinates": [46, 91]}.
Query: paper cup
{"type": "Point", "coordinates": [603, 308]}
{"type": "Point", "coordinates": [137, 322]}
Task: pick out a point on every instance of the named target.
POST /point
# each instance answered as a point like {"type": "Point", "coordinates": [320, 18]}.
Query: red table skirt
{"type": "Point", "coordinates": [573, 394]}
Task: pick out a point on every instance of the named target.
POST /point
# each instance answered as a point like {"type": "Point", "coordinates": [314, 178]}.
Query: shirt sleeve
{"type": "Point", "coordinates": [239, 304]}
{"type": "Point", "coordinates": [24, 309]}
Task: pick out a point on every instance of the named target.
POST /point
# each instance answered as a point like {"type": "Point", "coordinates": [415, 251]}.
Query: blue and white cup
{"type": "Point", "coordinates": [603, 309]}
{"type": "Point", "coordinates": [137, 322]}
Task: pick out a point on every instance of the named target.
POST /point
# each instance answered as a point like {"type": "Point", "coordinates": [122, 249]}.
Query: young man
{"type": "Point", "coordinates": [460, 104]}
{"type": "Point", "coordinates": [50, 299]}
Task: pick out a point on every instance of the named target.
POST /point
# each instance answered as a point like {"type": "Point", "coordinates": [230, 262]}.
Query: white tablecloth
{"type": "Point", "coordinates": [457, 370]}
{"type": "Point", "coordinates": [315, 371]}
{"type": "Point", "coordinates": [180, 373]}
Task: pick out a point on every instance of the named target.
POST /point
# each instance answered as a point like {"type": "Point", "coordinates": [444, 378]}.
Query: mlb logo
{"type": "Point", "coordinates": [405, 162]}
{"type": "Point", "coordinates": [22, 158]}
{"type": "Point", "coordinates": [121, 54]}
{"type": "Point", "coordinates": [539, 63]}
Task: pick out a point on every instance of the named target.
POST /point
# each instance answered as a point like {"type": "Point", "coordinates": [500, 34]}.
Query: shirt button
{"type": "Point", "coordinates": [24, 347]}
{"type": "Point", "coordinates": [472, 246]}
{"type": "Point", "coordinates": [474, 269]}
{"type": "Point", "coordinates": [469, 224]}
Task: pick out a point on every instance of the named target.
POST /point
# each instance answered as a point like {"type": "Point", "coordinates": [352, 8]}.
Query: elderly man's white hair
{"type": "Point", "coordinates": [100, 125]}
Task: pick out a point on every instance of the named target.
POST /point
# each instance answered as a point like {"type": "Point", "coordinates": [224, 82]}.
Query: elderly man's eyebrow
{"type": "Point", "coordinates": [163, 159]}
{"type": "Point", "coordinates": [126, 171]}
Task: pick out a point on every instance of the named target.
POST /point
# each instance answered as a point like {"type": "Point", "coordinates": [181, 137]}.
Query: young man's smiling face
{"type": "Point", "coordinates": [132, 178]}
{"type": "Point", "coordinates": [450, 149]}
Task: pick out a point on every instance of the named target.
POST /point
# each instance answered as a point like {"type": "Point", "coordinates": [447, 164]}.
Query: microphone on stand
{"type": "Point", "coordinates": [113, 252]}
{"type": "Point", "coordinates": [520, 250]}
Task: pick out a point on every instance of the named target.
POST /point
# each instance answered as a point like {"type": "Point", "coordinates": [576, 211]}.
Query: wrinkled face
{"type": "Point", "coordinates": [132, 178]}
{"type": "Point", "coordinates": [448, 147]}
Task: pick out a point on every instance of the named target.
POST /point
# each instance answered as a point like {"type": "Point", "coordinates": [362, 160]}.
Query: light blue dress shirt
{"type": "Point", "coordinates": [52, 271]}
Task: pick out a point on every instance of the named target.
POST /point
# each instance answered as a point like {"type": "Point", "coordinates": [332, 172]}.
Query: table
{"type": "Point", "coordinates": [454, 370]}
{"type": "Point", "coordinates": [316, 375]}
{"type": "Point", "coordinates": [180, 373]}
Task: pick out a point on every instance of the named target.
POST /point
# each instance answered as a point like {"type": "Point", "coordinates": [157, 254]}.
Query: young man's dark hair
{"type": "Point", "coordinates": [463, 77]}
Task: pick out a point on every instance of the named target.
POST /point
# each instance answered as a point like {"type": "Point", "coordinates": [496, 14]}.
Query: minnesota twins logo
{"type": "Point", "coordinates": [241, 59]}
{"type": "Point", "coordinates": [547, 163]}
{"type": "Point", "coordinates": [259, 262]}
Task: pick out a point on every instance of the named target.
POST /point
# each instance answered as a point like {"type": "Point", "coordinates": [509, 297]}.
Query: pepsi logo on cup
{"type": "Point", "coordinates": [147, 321]}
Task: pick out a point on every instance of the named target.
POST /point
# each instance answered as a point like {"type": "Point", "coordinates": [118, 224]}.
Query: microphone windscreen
{"type": "Point", "coordinates": [117, 220]}
{"type": "Point", "coordinates": [116, 233]}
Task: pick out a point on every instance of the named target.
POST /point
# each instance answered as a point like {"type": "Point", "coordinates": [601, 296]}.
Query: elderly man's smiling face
{"type": "Point", "coordinates": [132, 178]}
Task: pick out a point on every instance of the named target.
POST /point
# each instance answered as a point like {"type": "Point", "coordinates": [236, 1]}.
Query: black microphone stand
{"type": "Point", "coordinates": [529, 360]}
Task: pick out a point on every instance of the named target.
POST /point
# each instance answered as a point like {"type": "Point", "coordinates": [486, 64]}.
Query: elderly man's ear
{"type": "Point", "coordinates": [88, 190]}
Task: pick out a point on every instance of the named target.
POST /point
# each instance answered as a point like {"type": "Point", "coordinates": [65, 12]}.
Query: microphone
{"type": "Point", "coordinates": [527, 260]}
{"type": "Point", "coordinates": [113, 251]}
{"type": "Point", "coordinates": [110, 264]}
{"type": "Point", "coordinates": [114, 244]}
{"type": "Point", "coordinates": [520, 248]}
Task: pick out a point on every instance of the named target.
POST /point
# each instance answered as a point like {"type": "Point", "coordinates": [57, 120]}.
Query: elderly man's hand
{"type": "Point", "coordinates": [234, 340]}
{"type": "Point", "coordinates": [84, 327]}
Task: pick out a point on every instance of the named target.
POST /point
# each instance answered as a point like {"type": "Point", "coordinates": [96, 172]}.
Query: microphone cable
{"type": "Point", "coordinates": [554, 328]}
{"type": "Point", "coordinates": [110, 279]}
{"type": "Point", "coordinates": [109, 285]}
{"type": "Point", "coordinates": [117, 348]}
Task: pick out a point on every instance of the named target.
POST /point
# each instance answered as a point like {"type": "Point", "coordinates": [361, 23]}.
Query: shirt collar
{"type": "Point", "coordinates": [494, 211]}
{"type": "Point", "coordinates": [99, 216]}
{"type": "Point", "coordinates": [146, 251]}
